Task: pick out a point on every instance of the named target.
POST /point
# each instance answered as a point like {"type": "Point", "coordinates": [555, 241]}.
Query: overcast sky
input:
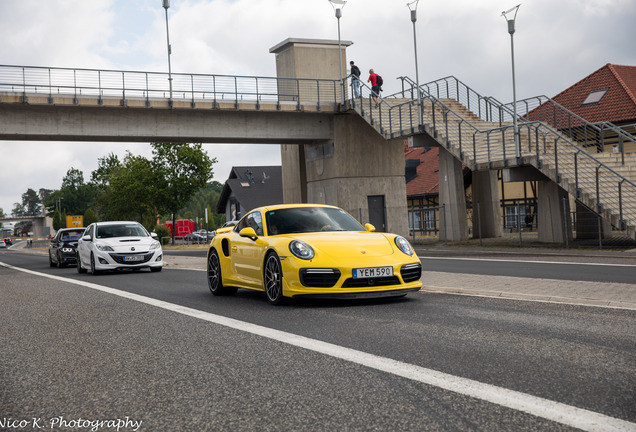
{"type": "Point", "coordinates": [557, 43]}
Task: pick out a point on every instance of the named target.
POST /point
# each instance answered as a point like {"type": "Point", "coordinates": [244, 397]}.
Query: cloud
{"type": "Point", "coordinates": [556, 45]}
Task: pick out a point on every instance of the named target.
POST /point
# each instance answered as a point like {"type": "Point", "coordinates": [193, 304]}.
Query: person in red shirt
{"type": "Point", "coordinates": [375, 88]}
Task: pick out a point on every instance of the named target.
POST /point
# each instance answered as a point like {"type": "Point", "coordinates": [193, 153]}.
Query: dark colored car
{"type": "Point", "coordinates": [63, 246]}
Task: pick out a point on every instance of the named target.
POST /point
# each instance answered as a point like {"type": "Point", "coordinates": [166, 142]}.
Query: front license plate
{"type": "Point", "coordinates": [132, 258]}
{"type": "Point", "coordinates": [372, 272]}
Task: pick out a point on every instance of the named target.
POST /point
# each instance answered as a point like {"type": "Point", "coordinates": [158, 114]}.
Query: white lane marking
{"type": "Point", "coordinates": [544, 408]}
{"type": "Point", "coordinates": [587, 264]}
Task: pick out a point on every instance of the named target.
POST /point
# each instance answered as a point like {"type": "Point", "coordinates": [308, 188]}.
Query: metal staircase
{"type": "Point", "coordinates": [479, 131]}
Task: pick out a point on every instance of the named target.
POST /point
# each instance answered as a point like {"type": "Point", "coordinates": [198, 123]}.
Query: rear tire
{"type": "Point", "coordinates": [215, 277]}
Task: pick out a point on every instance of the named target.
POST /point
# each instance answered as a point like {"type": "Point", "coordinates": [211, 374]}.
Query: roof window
{"type": "Point", "coordinates": [594, 97]}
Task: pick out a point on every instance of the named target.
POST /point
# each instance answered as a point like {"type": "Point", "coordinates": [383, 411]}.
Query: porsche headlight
{"type": "Point", "coordinates": [403, 245]}
{"type": "Point", "coordinates": [104, 248]}
{"type": "Point", "coordinates": [301, 250]}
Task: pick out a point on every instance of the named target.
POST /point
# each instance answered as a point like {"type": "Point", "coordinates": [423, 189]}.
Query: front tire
{"type": "Point", "coordinates": [215, 277]}
{"type": "Point", "coordinates": [80, 269]}
{"type": "Point", "coordinates": [273, 279]}
{"type": "Point", "coordinates": [93, 270]}
{"type": "Point", "coordinates": [59, 261]}
{"type": "Point", "coordinates": [51, 263]}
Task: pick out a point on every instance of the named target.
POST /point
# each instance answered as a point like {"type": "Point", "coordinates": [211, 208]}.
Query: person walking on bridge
{"type": "Point", "coordinates": [355, 79]}
{"type": "Point", "coordinates": [375, 88]}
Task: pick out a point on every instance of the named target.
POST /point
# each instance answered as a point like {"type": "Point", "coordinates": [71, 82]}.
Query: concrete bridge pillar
{"type": "Point", "coordinates": [357, 170]}
{"type": "Point", "coordinates": [486, 199]}
{"type": "Point", "coordinates": [453, 221]}
{"type": "Point", "coordinates": [553, 213]}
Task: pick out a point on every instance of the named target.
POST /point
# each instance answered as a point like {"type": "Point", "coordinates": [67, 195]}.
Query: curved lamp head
{"type": "Point", "coordinates": [511, 21]}
{"type": "Point", "coordinates": [413, 9]}
{"type": "Point", "coordinates": [338, 5]}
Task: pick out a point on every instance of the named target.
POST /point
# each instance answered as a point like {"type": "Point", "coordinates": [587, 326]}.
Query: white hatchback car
{"type": "Point", "coordinates": [118, 246]}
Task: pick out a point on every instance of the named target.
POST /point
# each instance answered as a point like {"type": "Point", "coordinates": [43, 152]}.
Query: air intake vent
{"type": "Point", "coordinates": [411, 272]}
{"type": "Point", "coordinates": [320, 278]}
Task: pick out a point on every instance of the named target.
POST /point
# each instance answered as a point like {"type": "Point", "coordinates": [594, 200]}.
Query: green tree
{"type": "Point", "coordinates": [133, 190]}
{"type": "Point", "coordinates": [44, 194]}
{"type": "Point", "coordinates": [57, 220]}
{"type": "Point", "coordinates": [206, 198]}
{"type": "Point", "coordinates": [108, 167]}
{"type": "Point", "coordinates": [182, 169]}
{"type": "Point", "coordinates": [31, 202]}
{"type": "Point", "coordinates": [18, 210]}
{"type": "Point", "coordinates": [90, 217]}
{"type": "Point", "coordinates": [162, 232]}
{"type": "Point", "coordinates": [77, 196]}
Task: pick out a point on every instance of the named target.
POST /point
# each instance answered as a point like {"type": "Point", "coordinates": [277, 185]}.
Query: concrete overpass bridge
{"type": "Point", "coordinates": [350, 154]}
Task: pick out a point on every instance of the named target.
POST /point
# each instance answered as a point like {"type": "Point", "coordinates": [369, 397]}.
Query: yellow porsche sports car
{"type": "Point", "coordinates": [311, 251]}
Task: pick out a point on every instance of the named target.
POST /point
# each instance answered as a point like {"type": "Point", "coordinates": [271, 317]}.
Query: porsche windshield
{"type": "Point", "coordinates": [310, 219]}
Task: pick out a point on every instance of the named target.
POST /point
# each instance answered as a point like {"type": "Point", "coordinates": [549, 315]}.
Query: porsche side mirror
{"type": "Point", "coordinates": [369, 227]}
{"type": "Point", "coordinates": [248, 232]}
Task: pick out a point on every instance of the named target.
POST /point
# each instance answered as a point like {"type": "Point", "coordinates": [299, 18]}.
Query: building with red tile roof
{"type": "Point", "coordinates": [606, 95]}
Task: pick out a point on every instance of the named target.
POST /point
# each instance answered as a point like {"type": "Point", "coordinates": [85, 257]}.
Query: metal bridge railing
{"type": "Point", "coordinates": [52, 82]}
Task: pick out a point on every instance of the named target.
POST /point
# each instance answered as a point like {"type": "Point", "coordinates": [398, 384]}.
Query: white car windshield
{"type": "Point", "coordinates": [121, 230]}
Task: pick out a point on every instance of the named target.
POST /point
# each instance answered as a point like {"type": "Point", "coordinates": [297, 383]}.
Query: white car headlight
{"type": "Point", "coordinates": [104, 248]}
{"type": "Point", "coordinates": [301, 250]}
{"type": "Point", "coordinates": [403, 245]}
{"type": "Point", "coordinates": [155, 245]}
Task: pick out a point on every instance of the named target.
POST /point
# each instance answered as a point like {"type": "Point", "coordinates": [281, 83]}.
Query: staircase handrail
{"type": "Point", "coordinates": [623, 184]}
{"type": "Point", "coordinates": [542, 100]}
{"type": "Point", "coordinates": [490, 101]}
{"type": "Point", "coordinates": [506, 111]}
{"type": "Point", "coordinates": [540, 127]}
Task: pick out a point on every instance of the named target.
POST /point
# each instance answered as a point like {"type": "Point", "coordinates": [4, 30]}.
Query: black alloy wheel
{"type": "Point", "coordinates": [273, 279]}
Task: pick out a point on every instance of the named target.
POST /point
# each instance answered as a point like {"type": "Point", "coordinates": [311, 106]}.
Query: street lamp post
{"type": "Point", "coordinates": [417, 74]}
{"type": "Point", "coordinates": [338, 10]}
{"type": "Point", "coordinates": [511, 30]}
{"type": "Point", "coordinates": [166, 5]}
{"type": "Point", "coordinates": [59, 210]}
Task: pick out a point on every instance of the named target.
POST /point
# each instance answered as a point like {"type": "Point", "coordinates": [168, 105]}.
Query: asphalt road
{"type": "Point", "coordinates": [77, 351]}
